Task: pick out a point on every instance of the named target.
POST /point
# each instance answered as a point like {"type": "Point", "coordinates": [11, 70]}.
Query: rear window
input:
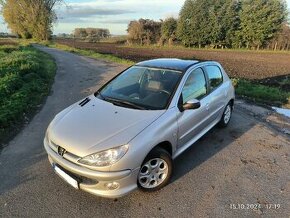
{"type": "Point", "coordinates": [215, 76]}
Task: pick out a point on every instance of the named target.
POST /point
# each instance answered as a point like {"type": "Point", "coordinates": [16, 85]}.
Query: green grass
{"type": "Point", "coordinates": [244, 88]}
{"type": "Point", "coordinates": [26, 76]}
{"type": "Point", "coordinates": [261, 93]}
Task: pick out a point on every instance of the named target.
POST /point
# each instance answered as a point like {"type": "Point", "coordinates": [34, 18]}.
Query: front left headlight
{"type": "Point", "coordinates": [105, 158]}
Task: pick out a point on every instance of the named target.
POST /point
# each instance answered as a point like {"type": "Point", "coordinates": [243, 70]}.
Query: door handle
{"type": "Point", "coordinates": [207, 106]}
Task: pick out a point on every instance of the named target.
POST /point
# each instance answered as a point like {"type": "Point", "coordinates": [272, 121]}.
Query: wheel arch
{"type": "Point", "coordinates": [231, 102]}
{"type": "Point", "coordinates": [166, 145]}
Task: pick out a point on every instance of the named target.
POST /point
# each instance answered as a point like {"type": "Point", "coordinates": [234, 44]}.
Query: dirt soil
{"type": "Point", "coordinates": [240, 64]}
{"type": "Point", "coordinates": [4, 41]}
{"type": "Point", "coordinates": [247, 163]}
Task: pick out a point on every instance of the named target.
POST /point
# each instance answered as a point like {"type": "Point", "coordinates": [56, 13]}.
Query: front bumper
{"type": "Point", "coordinates": [93, 181]}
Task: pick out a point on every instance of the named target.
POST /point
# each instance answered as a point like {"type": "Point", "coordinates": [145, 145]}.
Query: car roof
{"type": "Point", "coordinates": [169, 63]}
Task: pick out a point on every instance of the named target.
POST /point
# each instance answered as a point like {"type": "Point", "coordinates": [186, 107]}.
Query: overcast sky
{"type": "Point", "coordinates": [112, 14]}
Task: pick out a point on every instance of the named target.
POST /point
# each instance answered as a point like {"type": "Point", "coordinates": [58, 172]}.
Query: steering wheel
{"type": "Point", "coordinates": [165, 91]}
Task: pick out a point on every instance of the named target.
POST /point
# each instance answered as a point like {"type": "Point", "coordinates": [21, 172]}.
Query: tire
{"type": "Point", "coordinates": [155, 171]}
{"type": "Point", "coordinates": [227, 115]}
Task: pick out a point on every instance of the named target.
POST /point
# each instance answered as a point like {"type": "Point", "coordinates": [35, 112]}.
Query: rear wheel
{"type": "Point", "coordinates": [226, 116]}
{"type": "Point", "coordinates": [155, 171]}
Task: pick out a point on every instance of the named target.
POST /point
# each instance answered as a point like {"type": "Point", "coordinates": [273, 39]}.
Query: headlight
{"type": "Point", "coordinates": [105, 158]}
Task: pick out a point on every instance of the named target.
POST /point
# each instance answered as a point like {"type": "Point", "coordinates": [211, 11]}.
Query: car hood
{"type": "Point", "coordinates": [98, 125]}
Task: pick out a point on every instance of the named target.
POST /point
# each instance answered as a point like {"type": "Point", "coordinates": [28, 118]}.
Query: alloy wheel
{"type": "Point", "coordinates": [153, 173]}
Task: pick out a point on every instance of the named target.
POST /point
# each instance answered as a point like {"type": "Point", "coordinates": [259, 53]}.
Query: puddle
{"type": "Point", "coordinates": [283, 111]}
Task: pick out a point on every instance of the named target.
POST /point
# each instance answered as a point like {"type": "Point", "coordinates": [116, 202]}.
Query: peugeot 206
{"type": "Point", "coordinates": [127, 134]}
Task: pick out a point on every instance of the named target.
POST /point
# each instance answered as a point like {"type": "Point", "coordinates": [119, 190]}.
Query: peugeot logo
{"type": "Point", "coordinates": [60, 151]}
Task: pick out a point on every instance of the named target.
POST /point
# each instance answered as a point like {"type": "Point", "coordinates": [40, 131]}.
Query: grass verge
{"type": "Point", "coordinates": [244, 88]}
{"type": "Point", "coordinates": [90, 53]}
{"type": "Point", "coordinates": [262, 94]}
{"type": "Point", "coordinates": [26, 76]}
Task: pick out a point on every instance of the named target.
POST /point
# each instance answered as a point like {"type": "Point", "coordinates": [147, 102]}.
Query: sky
{"type": "Point", "coordinates": [112, 14]}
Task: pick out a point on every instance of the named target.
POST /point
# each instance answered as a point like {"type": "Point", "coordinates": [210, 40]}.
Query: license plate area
{"type": "Point", "coordinates": [69, 179]}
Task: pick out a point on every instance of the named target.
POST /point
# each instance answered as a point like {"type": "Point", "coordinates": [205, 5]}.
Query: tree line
{"type": "Point", "coordinates": [91, 34]}
{"type": "Point", "coordinates": [219, 24]}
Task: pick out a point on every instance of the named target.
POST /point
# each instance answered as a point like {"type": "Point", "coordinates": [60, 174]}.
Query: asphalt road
{"type": "Point", "coordinates": [246, 163]}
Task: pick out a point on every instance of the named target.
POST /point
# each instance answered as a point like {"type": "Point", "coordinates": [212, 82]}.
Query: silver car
{"type": "Point", "coordinates": [127, 134]}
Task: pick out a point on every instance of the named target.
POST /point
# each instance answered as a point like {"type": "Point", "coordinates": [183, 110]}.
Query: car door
{"type": "Point", "coordinates": [217, 92]}
{"type": "Point", "coordinates": [192, 122]}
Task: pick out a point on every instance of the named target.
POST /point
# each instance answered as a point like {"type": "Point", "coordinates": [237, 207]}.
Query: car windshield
{"type": "Point", "coordinates": [141, 88]}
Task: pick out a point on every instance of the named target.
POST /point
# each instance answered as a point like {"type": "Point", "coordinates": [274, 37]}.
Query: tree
{"type": "Point", "coordinates": [30, 18]}
{"type": "Point", "coordinates": [168, 29]}
{"type": "Point", "coordinates": [224, 22]}
{"type": "Point", "coordinates": [260, 20]}
{"type": "Point", "coordinates": [193, 26]}
{"type": "Point", "coordinates": [145, 31]}
{"type": "Point", "coordinates": [135, 32]}
{"type": "Point", "coordinates": [91, 34]}
{"type": "Point", "coordinates": [184, 26]}
{"type": "Point", "coordinates": [281, 39]}
{"type": "Point", "coordinates": [80, 33]}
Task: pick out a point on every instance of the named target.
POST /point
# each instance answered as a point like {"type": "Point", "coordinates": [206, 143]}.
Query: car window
{"type": "Point", "coordinates": [195, 86]}
{"type": "Point", "coordinates": [149, 88]}
{"type": "Point", "coordinates": [215, 76]}
{"type": "Point", "coordinates": [126, 80]}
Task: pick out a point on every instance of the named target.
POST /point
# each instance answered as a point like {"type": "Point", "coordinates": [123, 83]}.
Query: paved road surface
{"type": "Point", "coordinates": [247, 163]}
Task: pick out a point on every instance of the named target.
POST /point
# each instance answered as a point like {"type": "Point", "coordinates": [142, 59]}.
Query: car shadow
{"type": "Point", "coordinates": [210, 144]}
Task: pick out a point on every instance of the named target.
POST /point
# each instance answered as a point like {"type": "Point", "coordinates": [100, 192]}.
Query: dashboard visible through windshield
{"type": "Point", "coordinates": [141, 88]}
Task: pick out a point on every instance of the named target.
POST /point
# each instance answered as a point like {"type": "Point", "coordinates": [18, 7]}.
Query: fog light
{"type": "Point", "coordinates": [112, 185]}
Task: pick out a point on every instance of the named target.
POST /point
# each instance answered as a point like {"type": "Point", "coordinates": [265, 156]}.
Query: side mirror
{"type": "Point", "coordinates": [191, 105]}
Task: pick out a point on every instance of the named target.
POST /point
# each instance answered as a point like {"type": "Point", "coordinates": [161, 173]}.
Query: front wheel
{"type": "Point", "coordinates": [155, 171]}
{"type": "Point", "coordinates": [226, 116]}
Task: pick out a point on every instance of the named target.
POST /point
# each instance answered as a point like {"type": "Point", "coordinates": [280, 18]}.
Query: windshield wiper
{"type": "Point", "coordinates": [124, 103]}
{"type": "Point", "coordinates": [100, 94]}
{"type": "Point", "coordinates": [120, 102]}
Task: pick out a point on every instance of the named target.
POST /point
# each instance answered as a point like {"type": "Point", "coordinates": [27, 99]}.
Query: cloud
{"type": "Point", "coordinates": [112, 14]}
{"type": "Point", "coordinates": [117, 21]}
{"type": "Point", "coordinates": [88, 12]}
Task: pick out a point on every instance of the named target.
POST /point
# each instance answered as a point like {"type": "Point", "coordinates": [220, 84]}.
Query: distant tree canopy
{"type": "Point", "coordinates": [144, 31]}
{"type": "Point", "coordinates": [30, 18]}
{"type": "Point", "coordinates": [91, 34]}
{"type": "Point", "coordinates": [230, 23]}
{"type": "Point", "coordinates": [260, 20]}
{"type": "Point", "coordinates": [218, 24]}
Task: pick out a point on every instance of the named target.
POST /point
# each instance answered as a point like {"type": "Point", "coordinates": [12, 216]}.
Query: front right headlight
{"type": "Point", "coordinates": [105, 158]}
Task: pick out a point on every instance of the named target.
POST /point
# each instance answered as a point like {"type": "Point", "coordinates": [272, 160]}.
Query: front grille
{"type": "Point", "coordinates": [53, 146]}
{"type": "Point", "coordinates": [67, 155]}
{"type": "Point", "coordinates": [73, 159]}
